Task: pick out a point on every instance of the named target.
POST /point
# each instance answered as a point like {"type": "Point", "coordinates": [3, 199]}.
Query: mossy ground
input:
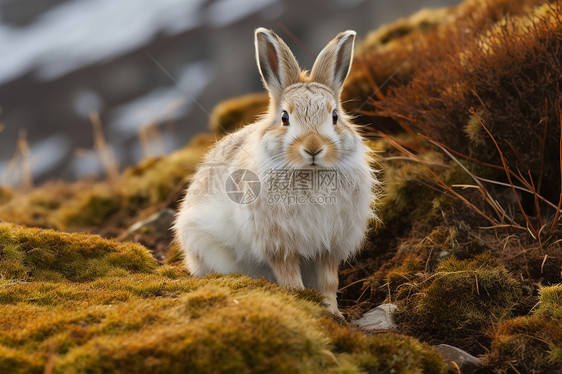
{"type": "Point", "coordinates": [531, 343]}
{"type": "Point", "coordinates": [232, 114]}
{"type": "Point", "coordinates": [79, 303]}
{"type": "Point", "coordinates": [475, 266]}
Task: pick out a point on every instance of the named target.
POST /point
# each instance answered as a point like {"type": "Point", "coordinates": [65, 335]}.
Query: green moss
{"type": "Point", "coordinates": [92, 209]}
{"type": "Point", "coordinates": [233, 338]}
{"type": "Point", "coordinates": [406, 195]}
{"type": "Point", "coordinates": [208, 325]}
{"type": "Point", "coordinates": [421, 258]}
{"type": "Point", "coordinates": [152, 181]}
{"type": "Point", "coordinates": [45, 254]}
{"type": "Point", "coordinates": [12, 361]}
{"type": "Point", "coordinates": [458, 302]}
{"type": "Point", "coordinates": [39, 207]}
{"type": "Point", "coordinates": [102, 306]}
{"type": "Point", "coordinates": [532, 343]}
{"type": "Point", "coordinates": [455, 174]}
{"type": "Point", "coordinates": [386, 352]}
{"type": "Point", "coordinates": [172, 272]}
{"type": "Point", "coordinates": [46, 203]}
{"type": "Point", "coordinates": [551, 301]}
{"type": "Point", "coordinates": [232, 114]}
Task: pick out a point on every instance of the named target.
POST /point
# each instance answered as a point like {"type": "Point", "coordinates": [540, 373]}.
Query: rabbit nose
{"type": "Point", "coordinates": [312, 145]}
{"type": "Point", "coordinates": [313, 153]}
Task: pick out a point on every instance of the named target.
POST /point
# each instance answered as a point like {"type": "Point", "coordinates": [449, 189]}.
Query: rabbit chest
{"type": "Point", "coordinates": [328, 215]}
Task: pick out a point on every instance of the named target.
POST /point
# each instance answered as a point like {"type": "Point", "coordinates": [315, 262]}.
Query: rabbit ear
{"type": "Point", "coordinates": [333, 63]}
{"type": "Point", "coordinates": [278, 67]}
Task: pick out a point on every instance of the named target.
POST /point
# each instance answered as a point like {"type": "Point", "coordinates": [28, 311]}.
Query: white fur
{"type": "Point", "coordinates": [219, 235]}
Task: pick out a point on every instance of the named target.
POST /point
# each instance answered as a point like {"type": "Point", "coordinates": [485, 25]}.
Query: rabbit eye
{"type": "Point", "coordinates": [285, 118]}
{"type": "Point", "coordinates": [335, 117]}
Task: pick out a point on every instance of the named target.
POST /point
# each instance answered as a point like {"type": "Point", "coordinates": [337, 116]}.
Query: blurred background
{"type": "Point", "coordinates": [151, 70]}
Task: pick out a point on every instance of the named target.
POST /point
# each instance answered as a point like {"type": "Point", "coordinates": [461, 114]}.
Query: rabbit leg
{"type": "Point", "coordinates": [327, 270]}
{"type": "Point", "coordinates": [196, 266]}
{"type": "Point", "coordinates": [287, 270]}
{"type": "Point", "coordinates": [204, 254]}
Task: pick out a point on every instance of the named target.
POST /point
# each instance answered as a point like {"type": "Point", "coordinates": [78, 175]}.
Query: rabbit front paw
{"type": "Point", "coordinates": [287, 270]}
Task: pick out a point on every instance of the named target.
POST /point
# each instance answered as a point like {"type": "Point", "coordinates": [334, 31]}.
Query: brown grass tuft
{"type": "Point", "coordinates": [510, 72]}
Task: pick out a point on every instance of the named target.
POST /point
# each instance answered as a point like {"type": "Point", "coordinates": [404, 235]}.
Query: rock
{"type": "Point", "coordinates": [466, 362]}
{"type": "Point", "coordinates": [379, 318]}
{"type": "Point", "coordinates": [153, 232]}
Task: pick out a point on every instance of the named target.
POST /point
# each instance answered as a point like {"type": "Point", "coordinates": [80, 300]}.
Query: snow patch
{"type": "Point", "coordinates": [225, 12]}
{"type": "Point", "coordinates": [82, 32]}
{"type": "Point", "coordinates": [162, 104]}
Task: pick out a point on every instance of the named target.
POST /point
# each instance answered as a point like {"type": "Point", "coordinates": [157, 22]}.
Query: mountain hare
{"type": "Point", "coordinates": [289, 196]}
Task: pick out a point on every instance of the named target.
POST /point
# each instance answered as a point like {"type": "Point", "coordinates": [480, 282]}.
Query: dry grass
{"type": "Point", "coordinates": [106, 155]}
{"type": "Point", "coordinates": [151, 140]}
{"type": "Point", "coordinates": [19, 168]}
{"type": "Point", "coordinates": [509, 72]}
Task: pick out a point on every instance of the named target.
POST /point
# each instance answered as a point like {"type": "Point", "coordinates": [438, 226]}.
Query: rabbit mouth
{"type": "Point", "coordinates": [317, 163]}
{"type": "Point", "coordinates": [314, 161]}
{"type": "Point", "coordinates": [314, 164]}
